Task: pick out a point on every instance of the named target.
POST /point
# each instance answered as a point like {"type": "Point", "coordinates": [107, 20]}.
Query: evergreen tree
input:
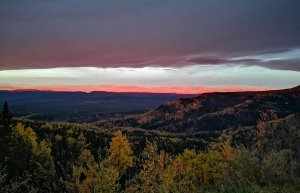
{"type": "Point", "coordinates": [5, 131]}
{"type": "Point", "coordinates": [6, 117]}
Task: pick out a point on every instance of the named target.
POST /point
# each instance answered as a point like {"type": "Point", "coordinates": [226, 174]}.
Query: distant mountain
{"type": "Point", "coordinates": [81, 106]}
{"type": "Point", "coordinates": [213, 112]}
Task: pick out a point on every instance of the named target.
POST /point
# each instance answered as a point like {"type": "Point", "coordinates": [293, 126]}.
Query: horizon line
{"type": "Point", "coordinates": [183, 90]}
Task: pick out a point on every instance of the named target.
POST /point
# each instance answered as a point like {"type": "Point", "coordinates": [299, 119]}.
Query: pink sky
{"type": "Point", "coordinates": [144, 89]}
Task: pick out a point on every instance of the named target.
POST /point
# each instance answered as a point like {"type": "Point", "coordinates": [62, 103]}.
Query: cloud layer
{"type": "Point", "coordinates": [141, 33]}
{"type": "Point", "coordinates": [188, 79]}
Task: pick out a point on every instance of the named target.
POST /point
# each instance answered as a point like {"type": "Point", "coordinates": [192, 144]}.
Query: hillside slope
{"type": "Point", "coordinates": [215, 111]}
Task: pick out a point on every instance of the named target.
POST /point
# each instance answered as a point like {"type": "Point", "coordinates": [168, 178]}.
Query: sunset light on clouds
{"type": "Point", "coordinates": [188, 79]}
{"type": "Point", "coordinates": [149, 46]}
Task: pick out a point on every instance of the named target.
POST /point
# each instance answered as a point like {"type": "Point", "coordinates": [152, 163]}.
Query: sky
{"type": "Point", "coordinates": [191, 46]}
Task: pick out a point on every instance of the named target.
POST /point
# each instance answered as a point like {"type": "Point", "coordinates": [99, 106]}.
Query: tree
{"type": "Point", "coordinates": [42, 155]}
{"type": "Point", "coordinates": [226, 154]}
{"type": "Point", "coordinates": [5, 132]}
{"type": "Point", "coordinates": [226, 151]}
{"type": "Point", "coordinates": [3, 179]}
{"type": "Point", "coordinates": [6, 117]}
{"type": "Point", "coordinates": [106, 179]}
{"type": "Point", "coordinates": [156, 174]}
{"type": "Point", "coordinates": [245, 169]}
{"type": "Point", "coordinates": [278, 167]}
{"type": "Point", "coordinates": [189, 175]}
{"type": "Point", "coordinates": [22, 144]}
{"type": "Point", "coordinates": [17, 185]}
{"type": "Point", "coordinates": [42, 168]}
{"type": "Point", "coordinates": [150, 152]}
{"type": "Point", "coordinates": [160, 173]}
{"type": "Point", "coordinates": [120, 153]}
{"type": "Point", "coordinates": [30, 165]}
{"type": "Point", "coordinates": [85, 172]}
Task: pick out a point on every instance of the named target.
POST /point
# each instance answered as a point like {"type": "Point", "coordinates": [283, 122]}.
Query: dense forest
{"type": "Point", "coordinates": [38, 156]}
{"type": "Point", "coordinates": [213, 112]}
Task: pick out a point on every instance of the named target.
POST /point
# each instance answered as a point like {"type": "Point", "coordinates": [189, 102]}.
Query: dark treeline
{"type": "Point", "coordinates": [76, 158]}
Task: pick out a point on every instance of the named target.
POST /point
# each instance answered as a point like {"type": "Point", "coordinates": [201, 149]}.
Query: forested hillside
{"type": "Point", "coordinates": [212, 112]}
{"type": "Point", "coordinates": [225, 142]}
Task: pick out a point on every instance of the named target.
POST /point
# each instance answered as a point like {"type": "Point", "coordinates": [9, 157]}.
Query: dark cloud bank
{"type": "Point", "coordinates": [136, 33]}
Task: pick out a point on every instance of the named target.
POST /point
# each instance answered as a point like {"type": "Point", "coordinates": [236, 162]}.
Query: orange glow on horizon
{"type": "Point", "coordinates": [139, 89]}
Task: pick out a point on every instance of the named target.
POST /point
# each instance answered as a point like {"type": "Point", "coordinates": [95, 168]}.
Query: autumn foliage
{"type": "Point", "coordinates": [67, 158]}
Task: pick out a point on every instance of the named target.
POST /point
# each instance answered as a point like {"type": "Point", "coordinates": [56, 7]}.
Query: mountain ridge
{"type": "Point", "coordinates": [219, 110]}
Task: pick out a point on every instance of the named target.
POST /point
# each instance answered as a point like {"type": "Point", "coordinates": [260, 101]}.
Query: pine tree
{"type": "Point", "coordinates": [6, 117]}
{"type": "Point", "coordinates": [5, 131]}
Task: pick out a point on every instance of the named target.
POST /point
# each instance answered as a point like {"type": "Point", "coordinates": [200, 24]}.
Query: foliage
{"type": "Point", "coordinates": [106, 179]}
{"type": "Point", "coordinates": [64, 157]}
{"type": "Point", "coordinates": [120, 153]}
{"type": "Point", "coordinates": [6, 117]}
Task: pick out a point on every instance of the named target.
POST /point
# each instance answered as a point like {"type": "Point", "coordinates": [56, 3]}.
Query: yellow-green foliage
{"type": "Point", "coordinates": [106, 179]}
{"type": "Point", "coordinates": [120, 153]}
{"type": "Point", "coordinates": [203, 168]}
{"type": "Point", "coordinates": [27, 135]}
{"type": "Point", "coordinates": [220, 168]}
{"type": "Point", "coordinates": [186, 172]}
{"type": "Point", "coordinates": [85, 172]}
{"type": "Point", "coordinates": [42, 153]}
{"type": "Point", "coordinates": [58, 138]}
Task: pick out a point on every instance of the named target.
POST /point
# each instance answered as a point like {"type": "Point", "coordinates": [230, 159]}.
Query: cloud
{"type": "Point", "coordinates": [285, 60]}
{"type": "Point", "coordinates": [160, 78]}
{"type": "Point", "coordinates": [139, 33]}
{"type": "Point", "coordinates": [208, 61]}
{"type": "Point", "coordinates": [282, 64]}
